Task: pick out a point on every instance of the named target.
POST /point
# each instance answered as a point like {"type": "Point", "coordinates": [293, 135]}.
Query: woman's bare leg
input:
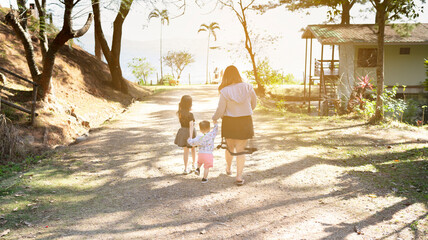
{"type": "Point", "coordinates": [185, 157]}
{"type": "Point", "coordinates": [240, 160]}
{"type": "Point", "coordinates": [228, 156]}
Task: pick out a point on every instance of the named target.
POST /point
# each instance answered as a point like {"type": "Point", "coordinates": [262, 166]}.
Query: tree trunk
{"type": "Point", "coordinates": [160, 50]}
{"type": "Point", "coordinates": [23, 11]}
{"type": "Point", "coordinates": [379, 113]}
{"type": "Point", "coordinates": [98, 53]}
{"type": "Point", "coordinates": [49, 61]}
{"type": "Point", "coordinates": [346, 8]}
{"type": "Point", "coordinates": [44, 44]}
{"type": "Point", "coordinates": [12, 20]}
{"type": "Point", "coordinates": [249, 47]}
{"type": "Point", "coordinates": [208, 53]}
{"type": "Point", "coordinates": [113, 56]}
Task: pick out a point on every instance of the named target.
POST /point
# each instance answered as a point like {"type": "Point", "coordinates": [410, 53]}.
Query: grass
{"type": "Point", "coordinates": [398, 169]}
{"type": "Point", "coordinates": [29, 196]}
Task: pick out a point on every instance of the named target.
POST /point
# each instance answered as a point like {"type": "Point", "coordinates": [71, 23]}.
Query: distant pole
{"type": "Point", "coordinates": [189, 79]}
{"type": "Point", "coordinates": [306, 67]}
{"type": "Point", "coordinates": [157, 78]}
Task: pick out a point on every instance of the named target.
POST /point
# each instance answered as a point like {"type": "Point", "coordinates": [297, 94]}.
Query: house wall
{"type": "Point", "coordinates": [405, 69]}
{"type": "Point", "coordinates": [346, 71]}
{"type": "Point", "coordinates": [399, 69]}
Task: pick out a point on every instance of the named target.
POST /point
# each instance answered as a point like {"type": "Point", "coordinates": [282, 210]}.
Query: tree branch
{"type": "Point", "coordinates": [85, 28]}
{"type": "Point", "coordinates": [11, 19]}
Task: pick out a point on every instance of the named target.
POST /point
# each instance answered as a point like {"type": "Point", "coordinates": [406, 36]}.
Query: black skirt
{"type": "Point", "coordinates": [182, 136]}
{"type": "Point", "coordinates": [237, 127]}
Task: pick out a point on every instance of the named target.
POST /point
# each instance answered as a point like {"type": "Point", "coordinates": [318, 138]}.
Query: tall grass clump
{"type": "Point", "coordinates": [9, 141]}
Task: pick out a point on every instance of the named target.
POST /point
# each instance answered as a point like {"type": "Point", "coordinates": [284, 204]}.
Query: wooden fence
{"type": "Point", "coordinates": [32, 112]}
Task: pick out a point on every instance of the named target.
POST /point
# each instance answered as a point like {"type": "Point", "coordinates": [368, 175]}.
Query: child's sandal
{"type": "Point", "coordinates": [240, 183]}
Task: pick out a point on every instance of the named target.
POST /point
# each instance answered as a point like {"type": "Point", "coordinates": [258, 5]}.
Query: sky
{"type": "Point", "coordinates": [141, 36]}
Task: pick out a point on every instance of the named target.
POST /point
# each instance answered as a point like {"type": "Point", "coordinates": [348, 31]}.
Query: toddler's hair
{"type": "Point", "coordinates": [185, 105]}
{"type": "Point", "coordinates": [204, 125]}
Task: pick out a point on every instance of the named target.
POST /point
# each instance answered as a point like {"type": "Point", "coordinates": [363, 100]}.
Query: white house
{"type": "Point", "coordinates": [406, 47]}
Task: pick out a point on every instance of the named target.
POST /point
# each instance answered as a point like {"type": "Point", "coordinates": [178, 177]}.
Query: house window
{"type": "Point", "coordinates": [367, 57]}
{"type": "Point", "coordinates": [404, 51]}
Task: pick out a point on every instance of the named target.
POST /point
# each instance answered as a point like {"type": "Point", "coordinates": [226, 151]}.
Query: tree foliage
{"type": "Point", "coordinates": [141, 69]}
{"type": "Point", "coordinates": [340, 8]}
{"type": "Point", "coordinates": [337, 7]}
{"type": "Point", "coordinates": [268, 75]}
{"type": "Point", "coordinates": [177, 61]}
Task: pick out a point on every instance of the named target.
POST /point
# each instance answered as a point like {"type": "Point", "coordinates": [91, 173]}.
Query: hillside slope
{"type": "Point", "coordinates": [82, 92]}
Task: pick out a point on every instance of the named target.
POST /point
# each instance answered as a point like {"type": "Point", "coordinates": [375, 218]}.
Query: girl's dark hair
{"type": "Point", "coordinates": [231, 75]}
{"type": "Point", "coordinates": [185, 105]}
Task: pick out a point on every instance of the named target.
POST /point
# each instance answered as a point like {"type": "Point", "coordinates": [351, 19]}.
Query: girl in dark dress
{"type": "Point", "coordinates": [186, 120]}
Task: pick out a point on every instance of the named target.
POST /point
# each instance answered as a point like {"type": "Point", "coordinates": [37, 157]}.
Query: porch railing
{"type": "Point", "coordinates": [330, 67]}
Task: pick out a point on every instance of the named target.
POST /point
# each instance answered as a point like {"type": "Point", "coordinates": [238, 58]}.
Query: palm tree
{"type": "Point", "coordinates": [211, 30]}
{"type": "Point", "coordinates": [163, 15]}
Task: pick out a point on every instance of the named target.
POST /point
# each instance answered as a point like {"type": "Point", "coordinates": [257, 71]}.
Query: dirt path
{"type": "Point", "coordinates": [126, 182]}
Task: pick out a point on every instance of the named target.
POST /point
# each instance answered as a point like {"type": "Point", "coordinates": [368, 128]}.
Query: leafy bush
{"type": "Point", "coordinates": [409, 111]}
{"type": "Point", "coordinates": [358, 92]}
{"type": "Point", "coordinates": [141, 69]}
{"type": "Point", "coordinates": [168, 80]}
{"type": "Point", "coordinates": [269, 76]}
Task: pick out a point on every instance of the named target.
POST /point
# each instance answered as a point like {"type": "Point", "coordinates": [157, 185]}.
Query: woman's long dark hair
{"type": "Point", "coordinates": [185, 105]}
{"type": "Point", "coordinates": [231, 75]}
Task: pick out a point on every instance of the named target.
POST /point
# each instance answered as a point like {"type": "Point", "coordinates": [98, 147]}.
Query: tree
{"type": "Point", "coordinates": [240, 9]}
{"type": "Point", "coordinates": [112, 55]}
{"type": "Point", "coordinates": [141, 69]}
{"type": "Point", "coordinates": [338, 7]}
{"type": "Point", "coordinates": [164, 18]}
{"type": "Point", "coordinates": [177, 61]}
{"type": "Point", "coordinates": [211, 30]}
{"type": "Point", "coordinates": [387, 10]}
{"type": "Point", "coordinates": [49, 50]}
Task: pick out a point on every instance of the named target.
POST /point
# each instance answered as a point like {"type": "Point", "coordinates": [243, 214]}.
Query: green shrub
{"type": "Point", "coordinates": [269, 76]}
{"type": "Point", "coordinates": [408, 111]}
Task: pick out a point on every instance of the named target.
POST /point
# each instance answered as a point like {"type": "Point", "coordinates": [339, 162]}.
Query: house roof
{"type": "Point", "coordinates": [366, 33]}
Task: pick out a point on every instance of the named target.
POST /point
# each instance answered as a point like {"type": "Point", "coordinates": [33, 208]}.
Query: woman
{"type": "Point", "coordinates": [235, 107]}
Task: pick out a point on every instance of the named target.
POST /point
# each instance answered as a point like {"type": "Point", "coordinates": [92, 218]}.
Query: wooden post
{"type": "Point", "coordinates": [310, 80]}
{"type": "Point", "coordinates": [321, 78]}
{"type": "Point", "coordinates": [189, 79]}
{"type": "Point", "coordinates": [332, 60]}
{"type": "Point", "coordinates": [33, 107]}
